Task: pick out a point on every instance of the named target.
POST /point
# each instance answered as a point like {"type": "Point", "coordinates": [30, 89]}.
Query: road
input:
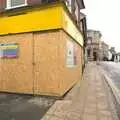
{"type": "Point", "coordinates": [113, 70]}
{"type": "Point", "coordinates": [23, 107]}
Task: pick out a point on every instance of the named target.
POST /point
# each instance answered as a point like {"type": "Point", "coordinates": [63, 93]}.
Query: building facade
{"type": "Point", "coordinates": [104, 51]}
{"type": "Point", "coordinates": [118, 54]}
{"type": "Point", "coordinates": [93, 45]}
{"type": "Point", "coordinates": [114, 54]}
{"type": "Point", "coordinates": [41, 46]}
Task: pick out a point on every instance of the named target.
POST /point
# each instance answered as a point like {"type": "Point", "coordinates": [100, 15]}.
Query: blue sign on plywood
{"type": "Point", "coordinates": [1, 51]}
{"type": "Point", "coordinates": [9, 50]}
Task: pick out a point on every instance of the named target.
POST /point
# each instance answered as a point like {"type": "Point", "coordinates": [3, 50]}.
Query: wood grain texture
{"type": "Point", "coordinates": [41, 66]}
{"type": "Point", "coordinates": [16, 74]}
{"type": "Point", "coordinates": [68, 76]}
{"type": "Point", "coordinates": [46, 63]}
{"type": "Point", "coordinates": [52, 77]}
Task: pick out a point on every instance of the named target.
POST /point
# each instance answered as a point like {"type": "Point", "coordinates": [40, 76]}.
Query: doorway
{"type": "Point", "coordinates": [95, 56]}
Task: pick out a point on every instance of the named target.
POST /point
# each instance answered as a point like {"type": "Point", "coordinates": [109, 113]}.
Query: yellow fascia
{"type": "Point", "coordinates": [70, 28]}
{"type": "Point", "coordinates": [44, 18]}
{"type": "Point", "coordinates": [47, 17]}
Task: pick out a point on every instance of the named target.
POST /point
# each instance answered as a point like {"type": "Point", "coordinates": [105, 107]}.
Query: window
{"type": "Point", "coordinates": [88, 52]}
{"type": "Point", "coordinates": [15, 3]}
{"type": "Point", "coordinates": [68, 4]}
{"type": "Point", "coordinates": [76, 10]}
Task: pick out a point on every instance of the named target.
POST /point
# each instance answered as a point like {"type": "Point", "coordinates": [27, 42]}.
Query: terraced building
{"type": "Point", "coordinates": [41, 45]}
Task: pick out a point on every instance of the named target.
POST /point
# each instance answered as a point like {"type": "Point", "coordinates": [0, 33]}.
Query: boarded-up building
{"type": "Point", "coordinates": [41, 47]}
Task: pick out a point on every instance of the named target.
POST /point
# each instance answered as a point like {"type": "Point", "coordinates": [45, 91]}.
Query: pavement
{"type": "Point", "coordinates": [90, 99]}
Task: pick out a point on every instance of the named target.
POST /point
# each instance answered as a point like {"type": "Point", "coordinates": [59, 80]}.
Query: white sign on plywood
{"type": "Point", "coordinates": [70, 54]}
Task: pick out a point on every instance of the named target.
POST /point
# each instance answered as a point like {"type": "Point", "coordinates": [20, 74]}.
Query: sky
{"type": "Point", "coordinates": [104, 15]}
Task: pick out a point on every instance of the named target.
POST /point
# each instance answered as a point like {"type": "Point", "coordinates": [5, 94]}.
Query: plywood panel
{"type": "Point", "coordinates": [68, 76]}
{"type": "Point", "coordinates": [46, 63]}
{"type": "Point", "coordinates": [16, 74]}
{"type": "Point", "coordinates": [52, 76]}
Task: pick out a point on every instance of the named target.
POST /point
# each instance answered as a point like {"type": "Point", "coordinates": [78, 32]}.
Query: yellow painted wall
{"type": "Point", "coordinates": [69, 27]}
{"type": "Point", "coordinates": [44, 18]}
{"type": "Point", "coordinates": [35, 20]}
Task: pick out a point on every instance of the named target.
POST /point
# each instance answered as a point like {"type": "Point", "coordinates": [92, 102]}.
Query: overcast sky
{"type": "Point", "coordinates": [104, 15]}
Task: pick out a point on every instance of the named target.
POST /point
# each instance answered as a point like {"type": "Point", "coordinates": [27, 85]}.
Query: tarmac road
{"type": "Point", "coordinates": [23, 107]}
{"type": "Point", "coordinates": [112, 70]}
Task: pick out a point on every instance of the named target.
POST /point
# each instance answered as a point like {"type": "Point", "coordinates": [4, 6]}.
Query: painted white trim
{"type": "Point", "coordinates": [12, 7]}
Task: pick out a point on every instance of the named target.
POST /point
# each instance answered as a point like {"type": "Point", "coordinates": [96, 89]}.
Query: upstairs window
{"type": "Point", "coordinates": [68, 4]}
{"type": "Point", "coordinates": [15, 3]}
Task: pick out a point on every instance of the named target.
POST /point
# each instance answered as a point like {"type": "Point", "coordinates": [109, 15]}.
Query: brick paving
{"type": "Point", "coordinates": [90, 99]}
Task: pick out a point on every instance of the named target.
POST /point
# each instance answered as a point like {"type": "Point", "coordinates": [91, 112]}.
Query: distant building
{"type": "Point", "coordinates": [119, 57]}
{"type": "Point", "coordinates": [93, 45]}
{"type": "Point", "coordinates": [113, 52]}
{"type": "Point", "coordinates": [104, 51]}
{"type": "Point", "coordinates": [109, 55]}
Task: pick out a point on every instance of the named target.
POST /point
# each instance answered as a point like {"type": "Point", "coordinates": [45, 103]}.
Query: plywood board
{"type": "Point", "coordinates": [52, 76]}
{"type": "Point", "coordinates": [16, 74]}
{"type": "Point", "coordinates": [46, 63]}
{"type": "Point", "coordinates": [68, 75]}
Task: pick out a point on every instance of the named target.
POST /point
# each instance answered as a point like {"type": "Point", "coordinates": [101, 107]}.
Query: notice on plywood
{"type": "Point", "coordinates": [8, 50]}
{"type": "Point", "coordinates": [1, 51]}
{"type": "Point", "coordinates": [70, 54]}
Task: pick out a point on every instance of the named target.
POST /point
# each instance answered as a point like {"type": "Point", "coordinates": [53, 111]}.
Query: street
{"type": "Point", "coordinates": [112, 73]}
{"type": "Point", "coordinates": [23, 107]}
{"type": "Point", "coordinates": [113, 70]}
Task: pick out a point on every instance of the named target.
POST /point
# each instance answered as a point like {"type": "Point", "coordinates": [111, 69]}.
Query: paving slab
{"type": "Point", "coordinates": [90, 99]}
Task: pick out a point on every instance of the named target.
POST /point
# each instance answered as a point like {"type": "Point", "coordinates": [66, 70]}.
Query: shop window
{"type": "Point", "coordinates": [15, 3]}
